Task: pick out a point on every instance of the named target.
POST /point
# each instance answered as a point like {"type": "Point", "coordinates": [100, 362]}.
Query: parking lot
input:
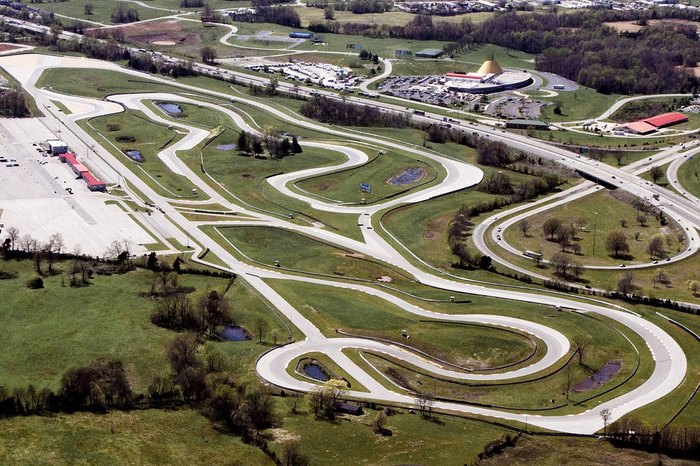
{"type": "Point", "coordinates": [40, 196]}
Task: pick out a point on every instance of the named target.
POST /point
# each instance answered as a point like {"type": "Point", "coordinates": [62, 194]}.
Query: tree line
{"type": "Point", "coordinates": [341, 112]}
{"type": "Point", "coordinates": [580, 47]}
{"type": "Point", "coordinates": [356, 6]}
{"type": "Point", "coordinates": [421, 27]}
{"type": "Point", "coordinates": [13, 103]}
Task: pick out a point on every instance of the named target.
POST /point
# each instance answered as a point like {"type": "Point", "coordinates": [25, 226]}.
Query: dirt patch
{"type": "Point", "coordinates": [429, 234]}
{"type": "Point", "coordinates": [354, 255]}
{"type": "Point", "coordinates": [385, 279]}
{"type": "Point", "coordinates": [632, 26]}
{"type": "Point", "coordinates": [324, 187]}
{"type": "Point", "coordinates": [6, 47]}
{"type": "Point", "coordinates": [282, 435]}
{"type": "Point", "coordinates": [160, 33]}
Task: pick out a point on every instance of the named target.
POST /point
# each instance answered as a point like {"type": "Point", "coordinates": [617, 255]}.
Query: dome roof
{"type": "Point", "coordinates": [490, 67]}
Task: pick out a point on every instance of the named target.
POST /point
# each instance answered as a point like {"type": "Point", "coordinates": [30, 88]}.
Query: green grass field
{"type": "Point", "coordinates": [688, 176]}
{"type": "Point", "coordinates": [581, 104]}
{"type": "Point", "coordinates": [344, 186]}
{"type": "Point", "coordinates": [149, 138]}
{"type": "Point", "coordinates": [70, 327]}
{"type": "Point", "coordinates": [581, 213]}
{"type": "Point", "coordinates": [298, 252]}
{"type": "Point", "coordinates": [361, 314]}
{"type": "Point", "coordinates": [133, 437]}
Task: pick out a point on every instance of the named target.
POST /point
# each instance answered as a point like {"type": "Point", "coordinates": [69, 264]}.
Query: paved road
{"type": "Point", "coordinates": [670, 363]}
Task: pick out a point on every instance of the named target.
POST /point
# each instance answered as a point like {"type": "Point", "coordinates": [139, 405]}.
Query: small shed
{"type": "Point", "coordinates": [348, 408]}
{"type": "Point", "coordinates": [57, 147]}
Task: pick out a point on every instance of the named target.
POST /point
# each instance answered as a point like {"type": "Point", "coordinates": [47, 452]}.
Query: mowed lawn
{"type": "Point", "coordinates": [582, 214]}
{"type": "Point", "coordinates": [362, 314]}
{"type": "Point", "coordinates": [378, 172]}
{"type": "Point", "coordinates": [299, 252]}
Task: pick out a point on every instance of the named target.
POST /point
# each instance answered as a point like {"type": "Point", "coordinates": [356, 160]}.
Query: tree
{"type": "Point", "coordinates": [425, 404]}
{"type": "Point", "coordinates": [262, 326]}
{"type": "Point", "coordinates": [329, 13]}
{"type": "Point", "coordinates": [581, 343]}
{"type": "Point", "coordinates": [619, 155]}
{"type": "Point", "coordinates": [324, 398]}
{"type": "Point", "coordinates": [551, 226]}
{"type": "Point", "coordinates": [258, 147]}
{"type": "Point", "coordinates": [208, 54]}
{"type": "Point", "coordinates": [626, 284]}
{"type": "Point", "coordinates": [605, 414]}
{"type": "Point", "coordinates": [87, 9]}
{"type": "Point", "coordinates": [524, 226]}
{"type": "Point", "coordinates": [561, 264]}
{"type": "Point", "coordinates": [656, 173]}
{"type": "Point", "coordinates": [242, 146]}
{"type": "Point", "coordinates": [616, 243]}
{"type": "Point", "coordinates": [214, 309]}
{"type": "Point", "coordinates": [656, 248]}
{"type": "Point", "coordinates": [292, 456]}
{"type": "Point", "coordinates": [13, 236]}
{"type": "Point", "coordinates": [379, 423]}
{"type": "Point", "coordinates": [642, 220]}
{"type": "Point", "coordinates": [296, 147]}
{"type": "Point", "coordinates": [660, 277]}
{"type": "Point", "coordinates": [694, 287]}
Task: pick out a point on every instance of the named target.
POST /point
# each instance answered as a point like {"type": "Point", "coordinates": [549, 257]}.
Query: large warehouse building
{"type": "Point", "coordinates": [653, 124]}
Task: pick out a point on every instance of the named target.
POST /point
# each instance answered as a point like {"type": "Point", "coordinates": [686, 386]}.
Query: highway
{"type": "Point", "coordinates": [670, 362]}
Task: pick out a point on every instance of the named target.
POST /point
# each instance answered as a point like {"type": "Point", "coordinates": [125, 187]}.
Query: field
{"type": "Point", "coordinates": [301, 253]}
{"type": "Point", "coordinates": [582, 104]}
{"type": "Point", "coordinates": [688, 176]}
{"type": "Point", "coordinates": [70, 327]}
{"type": "Point", "coordinates": [343, 186]}
{"type": "Point", "coordinates": [133, 437]}
{"type": "Point", "coordinates": [611, 212]}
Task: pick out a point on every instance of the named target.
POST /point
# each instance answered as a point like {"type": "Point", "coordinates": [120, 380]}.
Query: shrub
{"type": "Point", "coordinates": [35, 283]}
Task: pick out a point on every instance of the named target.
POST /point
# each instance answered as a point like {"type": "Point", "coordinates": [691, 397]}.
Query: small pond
{"type": "Point", "coordinates": [134, 155]}
{"type": "Point", "coordinates": [598, 378]}
{"type": "Point", "coordinates": [234, 334]}
{"type": "Point", "coordinates": [408, 176]}
{"type": "Point", "coordinates": [170, 108]}
{"type": "Point", "coordinates": [315, 372]}
{"type": "Point", "coordinates": [225, 147]}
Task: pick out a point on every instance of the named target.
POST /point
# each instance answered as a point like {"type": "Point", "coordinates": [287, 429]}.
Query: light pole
{"type": "Point", "coordinates": [595, 228]}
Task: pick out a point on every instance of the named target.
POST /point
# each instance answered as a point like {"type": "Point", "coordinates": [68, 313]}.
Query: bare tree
{"type": "Point", "coordinates": [616, 243]}
{"type": "Point", "coordinates": [642, 220]}
{"type": "Point", "coordinates": [13, 236]}
{"type": "Point", "coordinates": [619, 155]}
{"type": "Point", "coordinates": [524, 226]}
{"type": "Point", "coordinates": [581, 343]}
{"type": "Point", "coordinates": [551, 226]}
{"type": "Point", "coordinates": [605, 414]}
{"type": "Point", "coordinates": [26, 242]}
{"type": "Point", "coordinates": [425, 404]}
{"type": "Point", "coordinates": [660, 277]}
{"type": "Point", "coordinates": [209, 54]}
{"type": "Point", "coordinates": [262, 326]}
{"type": "Point", "coordinates": [656, 248]}
{"type": "Point", "coordinates": [656, 174]}
{"type": "Point", "coordinates": [561, 264]}
{"type": "Point", "coordinates": [626, 284]}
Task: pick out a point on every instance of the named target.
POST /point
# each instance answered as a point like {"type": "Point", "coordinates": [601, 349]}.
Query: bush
{"type": "Point", "coordinates": [35, 283]}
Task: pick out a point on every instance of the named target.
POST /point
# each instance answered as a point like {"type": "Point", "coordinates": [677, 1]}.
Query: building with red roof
{"type": "Point", "coordinates": [667, 119]}
{"type": "Point", "coordinates": [637, 127]}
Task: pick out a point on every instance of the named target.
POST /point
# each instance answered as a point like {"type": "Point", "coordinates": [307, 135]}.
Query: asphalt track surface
{"type": "Point", "coordinates": [670, 362]}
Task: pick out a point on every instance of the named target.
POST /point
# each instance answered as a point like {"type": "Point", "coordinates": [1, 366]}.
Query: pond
{"type": "Point", "coordinates": [315, 372]}
{"type": "Point", "coordinates": [234, 334]}
{"type": "Point", "coordinates": [225, 147]}
{"type": "Point", "coordinates": [598, 378]}
{"type": "Point", "coordinates": [134, 155]}
{"type": "Point", "coordinates": [170, 108]}
{"type": "Point", "coordinates": [408, 176]}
